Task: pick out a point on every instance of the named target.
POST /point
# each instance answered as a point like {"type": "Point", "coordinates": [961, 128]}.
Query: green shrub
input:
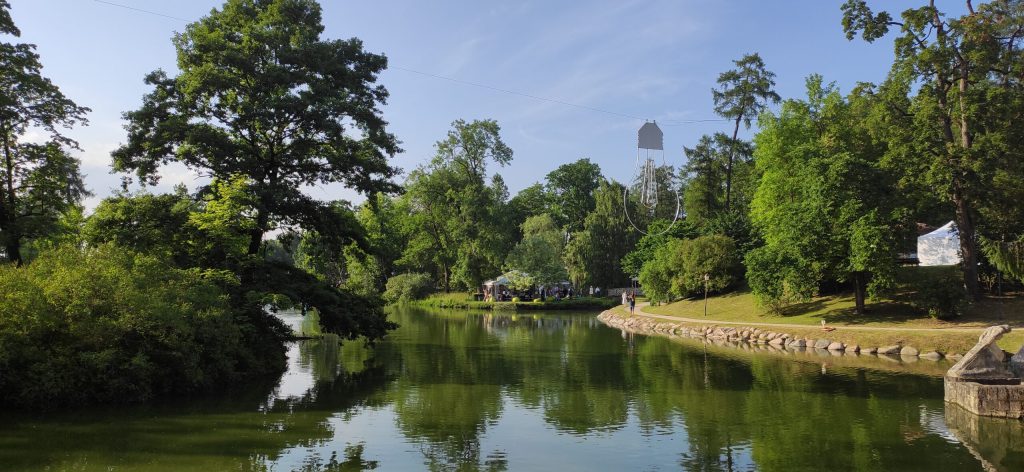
{"type": "Point", "coordinates": [656, 274]}
{"type": "Point", "coordinates": [407, 287]}
{"type": "Point", "coordinates": [779, 278]}
{"type": "Point", "coordinates": [677, 268]}
{"type": "Point", "coordinates": [939, 290]}
{"type": "Point", "coordinates": [107, 325]}
{"type": "Point", "coordinates": [713, 255]}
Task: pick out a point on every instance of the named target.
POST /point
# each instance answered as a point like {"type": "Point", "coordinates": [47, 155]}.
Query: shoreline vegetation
{"type": "Point", "coordinates": [887, 324]}
{"type": "Point", "coordinates": [749, 353]}
{"type": "Point", "coordinates": [461, 301]}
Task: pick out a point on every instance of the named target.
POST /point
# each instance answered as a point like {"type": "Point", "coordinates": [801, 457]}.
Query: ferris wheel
{"type": "Point", "coordinates": [649, 189]}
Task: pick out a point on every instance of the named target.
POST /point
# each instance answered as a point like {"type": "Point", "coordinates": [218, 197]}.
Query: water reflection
{"type": "Point", "coordinates": [474, 391]}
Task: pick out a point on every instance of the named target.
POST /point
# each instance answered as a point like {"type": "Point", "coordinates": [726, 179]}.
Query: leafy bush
{"type": "Point", "coordinates": [712, 255]}
{"type": "Point", "coordinates": [656, 274]}
{"type": "Point", "coordinates": [779, 278]}
{"type": "Point", "coordinates": [406, 287]}
{"type": "Point", "coordinates": [939, 291]}
{"type": "Point", "coordinates": [677, 268]}
{"type": "Point", "coordinates": [109, 325]}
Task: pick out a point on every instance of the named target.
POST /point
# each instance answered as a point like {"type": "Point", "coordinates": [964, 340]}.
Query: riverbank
{"type": "Point", "coordinates": [894, 343]}
{"type": "Point", "coordinates": [751, 352]}
{"type": "Point", "coordinates": [458, 301]}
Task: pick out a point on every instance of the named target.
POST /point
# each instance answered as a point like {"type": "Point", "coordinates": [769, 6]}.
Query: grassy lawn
{"type": "Point", "coordinates": [838, 312]}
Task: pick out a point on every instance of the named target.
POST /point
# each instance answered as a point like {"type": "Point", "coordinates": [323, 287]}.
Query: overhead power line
{"type": "Point", "coordinates": [140, 10]}
{"type": "Point", "coordinates": [472, 84]}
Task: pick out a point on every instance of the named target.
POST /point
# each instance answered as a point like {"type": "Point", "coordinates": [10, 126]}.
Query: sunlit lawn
{"type": "Point", "coordinates": [837, 311]}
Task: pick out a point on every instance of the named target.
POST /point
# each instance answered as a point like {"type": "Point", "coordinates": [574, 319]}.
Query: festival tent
{"type": "Point", "coordinates": [940, 247]}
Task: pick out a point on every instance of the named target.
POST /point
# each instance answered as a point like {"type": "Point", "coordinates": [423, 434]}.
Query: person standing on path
{"type": "Point", "coordinates": [632, 303]}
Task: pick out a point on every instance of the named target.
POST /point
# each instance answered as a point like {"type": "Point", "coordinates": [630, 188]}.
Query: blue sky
{"type": "Point", "coordinates": [650, 59]}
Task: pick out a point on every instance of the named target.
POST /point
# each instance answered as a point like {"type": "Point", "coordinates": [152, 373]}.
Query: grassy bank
{"type": "Point", "coordinates": [462, 301]}
{"type": "Point", "coordinates": [839, 310]}
{"type": "Point", "coordinates": [901, 324]}
{"type": "Point", "coordinates": [943, 341]}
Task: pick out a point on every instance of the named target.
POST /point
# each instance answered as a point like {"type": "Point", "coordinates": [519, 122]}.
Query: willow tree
{"type": "Point", "coordinates": [40, 181]}
{"type": "Point", "coordinates": [261, 95]}
{"type": "Point", "coordinates": [743, 94]}
{"type": "Point", "coordinates": [960, 132]}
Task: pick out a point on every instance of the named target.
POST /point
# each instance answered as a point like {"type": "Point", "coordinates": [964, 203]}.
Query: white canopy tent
{"type": "Point", "coordinates": [940, 247]}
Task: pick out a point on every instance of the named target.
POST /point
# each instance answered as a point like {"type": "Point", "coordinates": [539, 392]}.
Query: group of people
{"type": "Point", "coordinates": [629, 298]}
{"type": "Point", "coordinates": [556, 292]}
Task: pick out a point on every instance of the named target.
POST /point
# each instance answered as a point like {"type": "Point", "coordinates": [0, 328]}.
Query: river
{"type": "Point", "coordinates": [555, 391]}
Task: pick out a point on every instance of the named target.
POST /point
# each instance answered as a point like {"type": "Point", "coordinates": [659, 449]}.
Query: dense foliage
{"type": "Point", "coordinates": [407, 287]}
{"type": "Point", "coordinates": [686, 267]}
{"type": "Point", "coordinates": [112, 325]}
{"type": "Point", "coordinates": [824, 203]}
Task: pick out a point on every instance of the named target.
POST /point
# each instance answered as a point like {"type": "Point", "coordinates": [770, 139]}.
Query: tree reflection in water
{"type": "Point", "coordinates": [472, 391]}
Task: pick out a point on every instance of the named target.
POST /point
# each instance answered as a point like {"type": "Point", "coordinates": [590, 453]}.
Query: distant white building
{"type": "Point", "coordinates": [940, 247]}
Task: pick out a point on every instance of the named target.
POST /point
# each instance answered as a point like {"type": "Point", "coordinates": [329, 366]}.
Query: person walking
{"type": "Point", "coordinates": [632, 303]}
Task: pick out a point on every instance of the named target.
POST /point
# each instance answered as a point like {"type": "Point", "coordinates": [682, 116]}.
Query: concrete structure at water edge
{"type": "Point", "coordinates": [984, 382]}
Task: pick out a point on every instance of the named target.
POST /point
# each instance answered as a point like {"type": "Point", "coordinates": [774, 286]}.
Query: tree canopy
{"type": "Point", "coordinates": [260, 94]}
{"type": "Point", "coordinates": [39, 180]}
{"type": "Point", "coordinates": [744, 92]}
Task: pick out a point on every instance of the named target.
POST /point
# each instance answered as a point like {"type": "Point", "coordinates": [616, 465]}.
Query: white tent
{"type": "Point", "coordinates": [940, 247]}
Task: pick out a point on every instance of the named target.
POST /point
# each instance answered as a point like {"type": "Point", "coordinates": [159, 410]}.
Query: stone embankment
{"type": "Point", "coordinates": [778, 340]}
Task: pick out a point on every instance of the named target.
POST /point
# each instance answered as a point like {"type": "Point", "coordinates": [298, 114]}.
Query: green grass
{"type": "Point", "coordinates": [838, 311]}
{"type": "Point", "coordinates": [311, 324]}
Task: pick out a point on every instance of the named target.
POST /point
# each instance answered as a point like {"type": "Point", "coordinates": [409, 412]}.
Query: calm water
{"type": "Point", "coordinates": [472, 391]}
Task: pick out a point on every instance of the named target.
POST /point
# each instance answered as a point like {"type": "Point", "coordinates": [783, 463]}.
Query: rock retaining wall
{"type": "Point", "coordinates": [744, 336]}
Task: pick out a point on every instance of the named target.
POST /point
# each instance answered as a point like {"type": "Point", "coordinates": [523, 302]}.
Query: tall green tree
{"type": "Point", "coordinates": [594, 255]}
{"type": "Point", "coordinates": [957, 106]}
{"type": "Point", "coordinates": [743, 93]}
{"type": "Point", "coordinates": [385, 220]}
{"type": "Point", "coordinates": [530, 201]}
{"type": "Point", "coordinates": [261, 94]}
{"type": "Point", "coordinates": [459, 224]}
{"type": "Point", "coordinates": [570, 189]}
{"type": "Point", "coordinates": [539, 252]}
{"type": "Point", "coordinates": [38, 181]}
{"type": "Point", "coordinates": [826, 206]}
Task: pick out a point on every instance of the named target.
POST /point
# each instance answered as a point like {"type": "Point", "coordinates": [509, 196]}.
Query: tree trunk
{"type": "Point", "coordinates": [965, 221]}
{"type": "Point", "coordinates": [858, 292]}
{"type": "Point", "coordinates": [9, 215]}
{"type": "Point", "coordinates": [256, 234]}
{"type": "Point", "coordinates": [968, 245]}
{"type": "Point", "coordinates": [446, 274]}
{"type": "Point", "coordinates": [728, 165]}
{"type": "Point", "coordinates": [13, 248]}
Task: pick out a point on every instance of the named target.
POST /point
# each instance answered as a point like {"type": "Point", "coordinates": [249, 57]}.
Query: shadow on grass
{"type": "Point", "coordinates": [890, 311]}
{"type": "Point", "coordinates": [881, 312]}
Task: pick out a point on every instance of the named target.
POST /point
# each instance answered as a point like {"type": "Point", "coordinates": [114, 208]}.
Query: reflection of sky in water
{"type": "Point", "coordinates": [298, 379]}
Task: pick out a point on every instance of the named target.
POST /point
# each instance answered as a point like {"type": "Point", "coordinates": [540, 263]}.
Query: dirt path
{"type": "Point", "coordinates": [640, 311]}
